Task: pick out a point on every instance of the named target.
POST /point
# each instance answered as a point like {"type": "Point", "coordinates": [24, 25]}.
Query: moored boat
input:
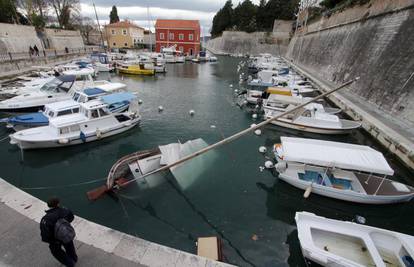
{"type": "Point", "coordinates": [337, 243]}
{"type": "Point", "coordinates": [342, 171]}
{"type": "Point", "coordinates": [135, 70]}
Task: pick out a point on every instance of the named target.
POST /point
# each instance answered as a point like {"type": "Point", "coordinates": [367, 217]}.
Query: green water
{"type": "Point", "coordinates": [230, 197]}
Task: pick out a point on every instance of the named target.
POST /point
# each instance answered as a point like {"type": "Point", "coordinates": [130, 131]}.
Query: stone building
{"type": "Point", "coordinates": [149, 39]}
{"type": "Point", "coordinates": [124, 34]}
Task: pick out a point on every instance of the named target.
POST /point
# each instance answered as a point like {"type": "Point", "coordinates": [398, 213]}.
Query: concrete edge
{"type": "Point", "coordinates": [391, 139]}
{"type": "Point", "coordinates": [111, 241]}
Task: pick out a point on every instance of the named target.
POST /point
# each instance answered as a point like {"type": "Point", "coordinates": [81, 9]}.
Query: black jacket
{"type": "Point", "coordinates": [47, 224]}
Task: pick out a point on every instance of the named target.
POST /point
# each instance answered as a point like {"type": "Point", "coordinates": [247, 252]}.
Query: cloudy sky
{"type": "Point", "coordinates": [203, 10]}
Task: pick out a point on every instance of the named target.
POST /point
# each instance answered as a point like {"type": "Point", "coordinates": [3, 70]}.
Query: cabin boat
{"type": "Point", "coordinates": [313, 118]}
{"type": "Point", "coordinates": [94, 121]}
{"type": "Point", "coordinates": [253, 96]}
{"type": "Point", "coordinates": [139, 164]}
{"type": "Point", "coordinates": [102, 62]}
{"type": "Point", "coordinates": [136, 70]}
{"type": "Point", "coordinates": [119, 104]}
{"type": "Point", "coordinates": [338, 243]}
{"type": "Point", "coordinates": [24, 87]}
{"type": "Point", "coordinates": [60, 88]}
{"type": "Point", "coordinates": [342, 171]}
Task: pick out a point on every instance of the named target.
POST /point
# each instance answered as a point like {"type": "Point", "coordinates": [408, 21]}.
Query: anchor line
{"type": "Point", "coordinates": [62, 186]}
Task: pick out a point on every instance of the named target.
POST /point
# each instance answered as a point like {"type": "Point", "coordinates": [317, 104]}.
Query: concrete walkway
{"type": "Point", "coordinates": [97, 245]}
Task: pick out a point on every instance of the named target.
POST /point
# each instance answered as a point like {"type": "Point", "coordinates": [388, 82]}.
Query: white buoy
{"type": "Point", "coordinates": [256, 107]}
{"type": "Point", "coordinates": [245, 102]}
{"type": "Point", "coordinates": [160, 108]}
{"type": "Point", "coordinates": [258, 132]}
{"type": "Point", "coordinates": [231, 86]}
{"type": "Point", "coordinates": [261, 168]}
{"type": "Point", "coordinates": [140, 101]}
{"type": "Point", "coordinates": [236, 90]}
{"type": "Point", "coordinates": [213, 126]}
{"type": "Point", "coordinates": [191, 112]}
{"type": "Point", "coordinates": [269, 164]}
{"type": "Point", "coordinates": [262, 149]}
{"type": "Point", "coordinates": [252, 125]}
{"type": "Point", "coordinates": [254, 116]}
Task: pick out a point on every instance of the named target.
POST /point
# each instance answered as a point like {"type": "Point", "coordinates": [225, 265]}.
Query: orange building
{"type": "Point", "coordinates": [124, 34]}
{"type": "Point", "coordinates": [184, 34]}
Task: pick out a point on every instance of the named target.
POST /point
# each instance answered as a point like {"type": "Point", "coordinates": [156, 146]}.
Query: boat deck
{"type": "Point", "coordinates": [388, 187]}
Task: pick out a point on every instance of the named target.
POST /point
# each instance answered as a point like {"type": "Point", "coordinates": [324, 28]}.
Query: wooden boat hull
{"type": "Point", "coordinates": [346, 195]}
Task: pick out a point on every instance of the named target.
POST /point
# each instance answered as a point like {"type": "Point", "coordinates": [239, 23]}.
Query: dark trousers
{"type": "Point", "coordinates": [68, 256]}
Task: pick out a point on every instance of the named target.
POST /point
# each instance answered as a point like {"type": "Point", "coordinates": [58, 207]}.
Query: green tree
{"type": "Point", "coordinates": [244, 18]}
{"type": "Point", "coordinates": [223, 20]}
{"type": "Point", "coordinates": [113, 15]}
{"type": "Point", "coordinates": [8, 12]}
{"type": "Point", "coordinates": [279, 9]}
{"type": "Point", "coordinates": [261, 15]}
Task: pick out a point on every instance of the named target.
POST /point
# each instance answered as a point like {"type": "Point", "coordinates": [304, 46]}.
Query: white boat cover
{"type": "Point", "coordinates": [187, 172]}
{"type": "Point", "coordinates": [335, 154]}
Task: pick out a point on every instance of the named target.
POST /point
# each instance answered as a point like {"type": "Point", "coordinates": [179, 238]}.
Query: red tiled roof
{"type": "Point", "coordinates": [177, 23]}
{"type": "Point", "coordinates": [123, 24]}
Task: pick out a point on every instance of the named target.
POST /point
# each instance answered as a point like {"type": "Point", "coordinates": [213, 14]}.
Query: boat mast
{"type": "Point", "coordinates": [99, 26]}
{"type": "Point", "coordinates": [149, 29]}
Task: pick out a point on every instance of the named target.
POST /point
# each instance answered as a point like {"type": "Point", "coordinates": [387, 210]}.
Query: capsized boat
{"type": "Point", "coordinates": [312, 118]}
{"type": "Point", "coordinates": [135, 70]}
{"type": "Point", "coordinates": [141, 163]}
{"type": "Point", "coordinates": [93, 122]}
{"type": "Point", "coordinates": [343, 171]}
{"type": "Point", "coordinates": [117, 102]}
{"type": "Point", "coordinates": [337, 243]}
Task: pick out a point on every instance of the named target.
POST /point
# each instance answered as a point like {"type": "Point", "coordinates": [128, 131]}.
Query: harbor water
{"type": "Point", "coordinates": [226, 195]}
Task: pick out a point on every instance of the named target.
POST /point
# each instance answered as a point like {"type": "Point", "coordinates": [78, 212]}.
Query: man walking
{"type": "Point", "coordinates": [56, 230]}
{"type": "Point", "coordinates": [36, 50]}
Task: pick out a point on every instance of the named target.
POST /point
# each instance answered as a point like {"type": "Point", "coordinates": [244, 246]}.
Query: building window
{"type": "Point", "coordinates": [124, 32]}
{"type": "Point", "coordinates": [181, 49]}
{"type": "Point", "coordinates": [197, 37]}
{"type": "Point", "coordinates": [126, 44]}
{"type": "Point", "coordinates": [162, 36]}
{"type": "Point", "coordinates": [171, 36]}
{"type": "Point", "coordinates": [113, 32]}
{"type": "Point", "coordinates": [114, 44]}
{"type": "Point", "coordinates": [191, 52]}
{"type": "Point", "coordinates": [191, 36]}
{"type": "Point", "coordinates": [181, 36]}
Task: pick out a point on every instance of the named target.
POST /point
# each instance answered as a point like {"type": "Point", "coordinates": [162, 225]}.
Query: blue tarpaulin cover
{"type": "Point", "coordinates": [93, 91]}
{"type": "Point", "coordinates": [32, 118]}
{"type": "Point", "coordinates": [118, 97]}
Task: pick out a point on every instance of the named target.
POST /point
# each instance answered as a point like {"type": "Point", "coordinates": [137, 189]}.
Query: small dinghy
{"type": "Point", "coordinates": [331, 242]}
{"type": "Point", "coordinates": [338, 170]}
{"type": "Point", "coordinates": [94, 121]}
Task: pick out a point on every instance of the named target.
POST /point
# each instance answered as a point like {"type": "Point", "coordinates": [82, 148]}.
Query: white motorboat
{"type": "Point", "coordinates": [93, 122]}
{"type": "Point", "coordinates": [253, 96]}
{"type": "Point", "coordinates": [59, 89]}
{"type": "Point", "coordinates": [102, 62]}
{"type": "Point", "coordinates": [68, 107]}
{"type": "Point", "coordinates": [24, 87]}
{"type": "Point", "coordinates": [342, 171]}
{"type": "Point", "coordinates": [337, 243]}
{"type": "Point", "coordinates": [313, 118]}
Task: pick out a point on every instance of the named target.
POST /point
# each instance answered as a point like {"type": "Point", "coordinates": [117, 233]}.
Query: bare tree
{"type": "Point", "coordinates": [64, 10]}
{"type": "Point", "coordinates": [86, 27]}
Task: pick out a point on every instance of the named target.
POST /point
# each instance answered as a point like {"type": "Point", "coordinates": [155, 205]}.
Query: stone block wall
{"type": "Point", "coordinates": [58, 39]}
{"type": "Point", "coordinates": [17, 38]}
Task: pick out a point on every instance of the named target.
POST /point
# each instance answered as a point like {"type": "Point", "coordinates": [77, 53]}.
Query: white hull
{"type": "Point", "coordinates": [346, 195]}
{"type": "Point", "coordinates": [311, 129]}
{"type": "Point", "coordinates": [75, 140]}
{"type": "Point", "coordinates": [338, 243]}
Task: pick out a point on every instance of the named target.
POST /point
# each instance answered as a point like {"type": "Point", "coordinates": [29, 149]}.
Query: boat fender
{"type": "Point", "coordinates": [82, 136]}
{"type": "Point", "coordinates": [98, 133]}
{"type": "Point", "coordinates": [281, 166]}
{"type": "Point", "coordinates": [258, 132]}
{"type": "Point", "coordinates": [262, 149]}
{"type": "Point", "coordinates": [269, 164]}
{"type": "Point", "coordinates": [63, 141]}
{"type": "Point", "coordinates": [308, 191]}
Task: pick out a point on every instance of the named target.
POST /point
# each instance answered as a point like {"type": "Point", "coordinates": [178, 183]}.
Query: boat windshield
{"type": "Point", "coordinates": [51, 86]}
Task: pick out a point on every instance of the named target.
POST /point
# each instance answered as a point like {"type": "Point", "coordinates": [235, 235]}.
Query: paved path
{"type": "Point", "coordinates": [97, 245]}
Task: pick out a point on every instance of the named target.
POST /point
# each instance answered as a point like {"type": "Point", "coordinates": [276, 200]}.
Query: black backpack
{"type": "Point", "coordinates": [64, 231]}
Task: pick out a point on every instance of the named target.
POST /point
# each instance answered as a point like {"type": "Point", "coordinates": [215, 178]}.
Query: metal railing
{"type": "Point", "coordinates": [48, 53]}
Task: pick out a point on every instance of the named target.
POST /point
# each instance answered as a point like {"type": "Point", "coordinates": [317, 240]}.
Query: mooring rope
{"type": "Point", "coordinates": [62, 186]}
{"type": "Point", "coordinates": [4, 138]}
